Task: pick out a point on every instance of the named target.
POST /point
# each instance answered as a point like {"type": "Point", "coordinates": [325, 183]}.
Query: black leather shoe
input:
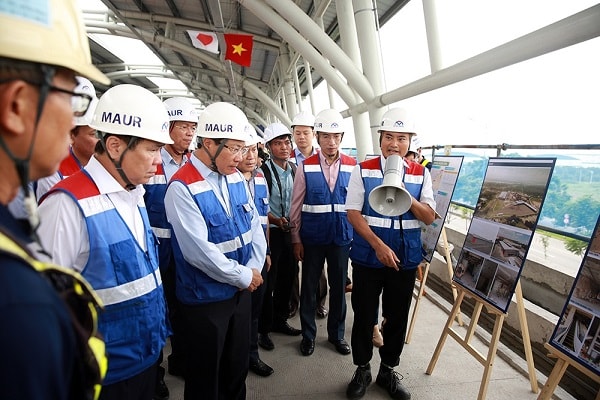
{"type": "Point", "coordinates": [359, 383]}
{"type": "Point", "coordinates": [389, 379]}
{"type": "Point", "coordinates": [307, 347]}
{"type": "Point", "coordinates": [259, 367]}
{"type": "Point", "coordinates": [286, 329]}
{"type": "Point", "coordinates": [341, 346]}
{"type": "Point", "coordinates": [264, 341]}
{"type": "Point", "coordinates": [322, 312]}
{"type": "Point", "coordinates": [161, 391]}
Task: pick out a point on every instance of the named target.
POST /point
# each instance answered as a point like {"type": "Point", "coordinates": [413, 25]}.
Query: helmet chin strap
{"type": "Point", "coordinates": [213, 164]}
{"type": "Point", "coordinates": [22, 165]}
{"type": "Point", "coordinates": [117, 164]}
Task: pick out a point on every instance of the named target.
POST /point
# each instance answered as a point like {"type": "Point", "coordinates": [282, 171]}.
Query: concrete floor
{"type": "Point", "coordinates": [325, 374]}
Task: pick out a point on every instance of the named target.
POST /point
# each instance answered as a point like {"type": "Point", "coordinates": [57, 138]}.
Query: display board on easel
{"type": "Point", "coordinates": [577, 333]}
{"type": "Point", "coordinates": [501, 231]}
{"type": "Point", "coordinates": [444, 174]}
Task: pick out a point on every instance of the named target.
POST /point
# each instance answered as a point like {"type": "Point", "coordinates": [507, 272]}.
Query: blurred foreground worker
{"type": "Point", "coordinates": [47, 336]}
{"type": "Point", "coordinates": [96, 222]}
{"type": "Point", "coordinates": [219, 248]}
{"type": "Point", "coordinates": [385, 253]}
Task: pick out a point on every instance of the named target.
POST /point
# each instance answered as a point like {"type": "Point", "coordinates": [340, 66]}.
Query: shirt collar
{"type": "Point", "coordinates": [106, 183]}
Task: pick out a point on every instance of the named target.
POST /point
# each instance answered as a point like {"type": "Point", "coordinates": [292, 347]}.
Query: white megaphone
{"type": "Point", "coordinates": [391, 198]}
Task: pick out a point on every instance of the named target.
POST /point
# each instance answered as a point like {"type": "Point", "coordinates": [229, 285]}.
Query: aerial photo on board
{"type": "Point", "coordinates": [513, 196]}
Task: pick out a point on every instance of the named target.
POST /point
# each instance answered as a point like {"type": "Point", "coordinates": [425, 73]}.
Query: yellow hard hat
{"type": "Point", "coordinates": [47, 32]}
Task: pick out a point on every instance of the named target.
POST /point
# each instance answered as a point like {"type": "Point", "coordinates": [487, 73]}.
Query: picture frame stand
{"type": "Point", "coordinates": [448, 258]}
{"type": "Point", "coordinates": [562, 363]}
{"type": "Point", "coordinates": [488, 360]}
{"type": "Point", "coordinates": [418, 295]}
{"type": "Point", "coordinates": [419, 291]}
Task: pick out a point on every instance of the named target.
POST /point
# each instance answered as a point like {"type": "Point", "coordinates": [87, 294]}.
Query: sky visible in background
{"type": "Point", "coordinates": [552, 99]}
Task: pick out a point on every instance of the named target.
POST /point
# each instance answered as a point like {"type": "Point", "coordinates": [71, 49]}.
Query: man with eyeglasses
{"type": "Point", "coordinates": [83, 142]}
{"type": "Point", "coordinates": [219, 249]}
{"type": "Point", "coordinates": [183, 119]}
{"type": "Point", "coordinates": [43, 47]}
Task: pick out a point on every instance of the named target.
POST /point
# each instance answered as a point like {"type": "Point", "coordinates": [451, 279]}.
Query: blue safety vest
{"type": "Point", "coordinates": [232, 235]}
{"type": "Point", "coordinates": [155, 204]}
{"type": "Point", "coordinates": [402, 233]}
{"type": "Point", "coordinates": [125, 277]}
{"type": "Point", "coordinates": [324, 219]}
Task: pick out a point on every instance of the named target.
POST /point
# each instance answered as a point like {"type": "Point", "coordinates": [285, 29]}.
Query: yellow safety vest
{"type": "Point", "coordinates": [71, 285]}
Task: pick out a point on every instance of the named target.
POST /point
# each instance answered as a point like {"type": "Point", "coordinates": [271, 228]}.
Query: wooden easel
{"type": "Point", "coordinates": [486, 361]}
{"type": "Point", "coordinates": [423, 272]}
{"type": "Point", "coordinates": [448, 258]}
{"type": "Point", "coordinates": [562, 363]}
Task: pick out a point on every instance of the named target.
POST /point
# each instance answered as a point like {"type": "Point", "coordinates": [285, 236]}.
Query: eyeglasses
{"type": "Point", "coordinates": [191, 128]}
{"type": "Point", "coordinates": [80, 102]}
{"type": "Point", "coordinates": [236, 150]}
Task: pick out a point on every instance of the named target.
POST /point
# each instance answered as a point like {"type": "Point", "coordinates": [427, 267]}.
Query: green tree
{"type": "Point", "coordinates": [575, 246]}
{"type": "Point", "coordinates": [557, 197]}
{"type": "Point", "coordinates": [584, 213]}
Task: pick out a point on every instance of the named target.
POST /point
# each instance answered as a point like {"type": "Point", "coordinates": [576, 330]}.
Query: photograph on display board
{"type": "Point", "coordinates": [577, 333]}
{"type": "Point", "coordinates": [444, 174]}
{"type": "Point", "coordinates": [498, 239]}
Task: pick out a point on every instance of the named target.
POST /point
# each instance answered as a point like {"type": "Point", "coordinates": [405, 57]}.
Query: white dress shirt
{"type": "Point", "coordinates": [63, 230]}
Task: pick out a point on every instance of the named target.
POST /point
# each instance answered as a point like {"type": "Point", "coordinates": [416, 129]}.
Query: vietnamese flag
{"type": "Point", "coordinates": [239, 48]}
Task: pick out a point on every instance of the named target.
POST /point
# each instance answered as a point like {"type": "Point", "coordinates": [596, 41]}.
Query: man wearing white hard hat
{"type": "Point", "coordinates": [304, 134]}
{"type": "Point", "coordinates": [96, 222]}
{"type": "Point", "coordinates": [219, 248]}
{"type": "Point", "coordinates": [83, 142]}
{"type": "Point", "coordinates": [257, 186]}
{"type": "Point", "coordinates": [386, 250]}
{"type": "Point", "coordinates": [279, 173]}
{"type": "Point", "coordinates": [43, 47]}
{"type": "Point", "coordinates": [183, 120]}
{"type": "Point", "coordinates": [321, 232]}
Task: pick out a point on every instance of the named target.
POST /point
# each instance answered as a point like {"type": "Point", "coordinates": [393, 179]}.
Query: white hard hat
{"type": "Point", "coordinates": [181, 109]}
{"type": "Point", "coordinates": [47, 32]}
{"type": "Point", "coordinates": [303, 118]}
{"type": "Point", "coordinates": [329, 121]}
{"type": "Point", "coordinates": [86, 87]}
{"type": "Point", "coordinates": [414, 146]}
{"type": "Point", "coordinates": [134, 111]}
{"type": "Point", "coordinates": [223, 120]}
{"type": "Point", "coordinates": [254, 137]}
{"type": "Point", "coordinates": [275, 130]}
{"type": "Point", "coordinates": [397, 120]}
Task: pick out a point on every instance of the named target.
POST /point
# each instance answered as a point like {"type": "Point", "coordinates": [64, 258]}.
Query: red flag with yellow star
{"type": "Point", "coordinates": [239, 48]}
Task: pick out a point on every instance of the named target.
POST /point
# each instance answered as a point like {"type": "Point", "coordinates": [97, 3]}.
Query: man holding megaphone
{"type": "Point", "coordinates": [388, 199]}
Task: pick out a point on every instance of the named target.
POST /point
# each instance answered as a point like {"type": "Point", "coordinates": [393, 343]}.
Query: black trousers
{"type": "Point", "coordinates": [257, 302]}
{"type": "Point", "coordinates": [397, 288]}
{"type": "Point", "coordinates": [177, 356]}
{"type": "Point", "coordinates": [138, 387]}
{"type": "Point", "coordinates": [217, 345]}
{"type": "Point", "coordinates": [284, 268]}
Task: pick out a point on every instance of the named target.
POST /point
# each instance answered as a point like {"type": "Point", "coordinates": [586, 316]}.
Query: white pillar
{"type": "Point", "coordinates": [350, 44]}
{"type": "Point", "coordinates": [367, 27]}
{"type": "Point", "coordinates": [433, 35]}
